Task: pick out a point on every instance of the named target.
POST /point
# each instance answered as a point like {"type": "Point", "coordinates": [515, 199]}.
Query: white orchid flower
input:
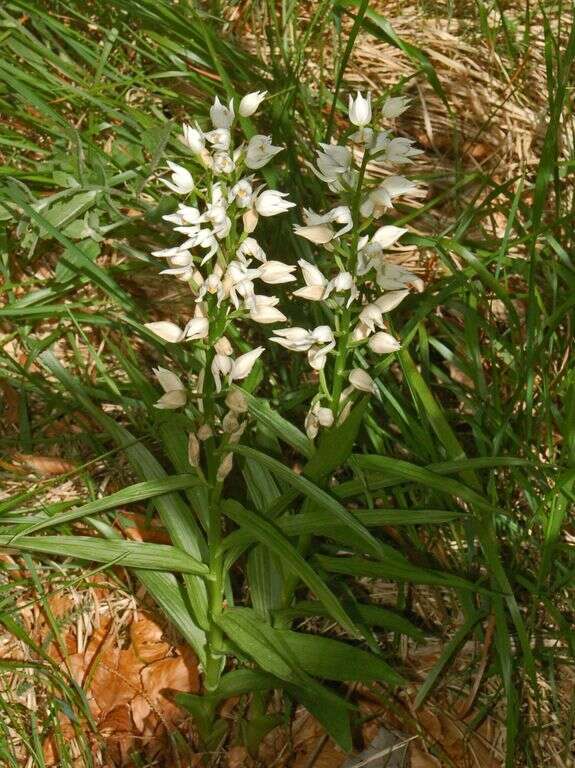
{"type": "Point", "coordinates": [387, 235]}
{"type": "Point", "coordinates": [320, 234]}
{"type": "Point", "coordinates": [166, 330]}
{"type": "Point", "coordinates": [381, 199]}
{"type": "Point", "coordinates": [242, 366]}
{"type": "Point", "coordinates": [251, 247]}
{"type": "Point", "coordinates": [360, 110]}
{"type": "Point", "coordinates": [221, 366]}
{"type": "Point", "coordinates": [250, 103]}
{"type": "Point", "coordinates": [393, 277]}
{"type": "Point", "coordinates": [316, 355]}
{"type": "Point", "coordinates": [389, 301]}
{"type": "Point", "coordinates": [213, 285]}
{"type": "Point", "coordinates": [175, 392]}
{"type": "Point", "coordinates": [362, 381]}
{"type": "Point", "coordinates": [383, 343]}
{"type": "Point", "coordinates": [182, 182]}
{"type": "Point", "coordinates": [332, 162]}
{"type": "Point", "coordinates": [223, 164]}
{"type": "Point", "coordinates": [220, 115]}
{"type": "Point", "coordinates": [181, 265]}
{"type": "Point", "coordinates": [295, 339]}
{"type": "Point", "coordinates": [361, 332]}
{"type": "Point", "coordinates": [394, 107]}
{"type": "Point", "coordinates": [263, 310]}
{"type": "Point", "coordinates": [193, 138]}
{"type": "Point", "coordinates": [260, 151]}
{"type": "Point", "coordinates": [323, 334]}
{"type": "Point", "coordinates": [317, 416]}
{"type": "Point", "coordinates": [318, 227]}
{"type": "Point", "coordinates": [398, 150]}
{"type": "Point", "coordinates": [276, 272]}
{"type": "Point", "coordinates": [219, 138]}
{"type": "Point", "coordinates": [342, 283]}
{"type": "Point", "coordinates": [241, 193]}
{"type": "Point", "coordinates": [315, 282]}
{"type": "Point", "coordinates": [271, 202]}
{"type": "Point", "coordinates": [197, 328]}
{"type": "Point", "coordinates": [186, 214]}
{"type": "Point", "coordinates": [372, 316]}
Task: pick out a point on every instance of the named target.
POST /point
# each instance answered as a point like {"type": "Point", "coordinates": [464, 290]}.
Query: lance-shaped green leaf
{"type": "Point", "coordinates": [130, 495]}
{"type": "Point", "coordinates": [134, 554]}
{"type": "Point", "coordinates": [265, 532]}
{"type": "Point", "coordinates": [322, 498]}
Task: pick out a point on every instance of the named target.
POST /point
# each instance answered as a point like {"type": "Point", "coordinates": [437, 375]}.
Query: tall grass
{"type": "Point", "coordinates": [91, 97]}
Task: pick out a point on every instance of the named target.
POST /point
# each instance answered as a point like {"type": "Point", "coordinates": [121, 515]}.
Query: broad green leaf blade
{"type": "Point", "coordinates": [334, 660]}
{"type": "Point", "coordinates": [265, 646]}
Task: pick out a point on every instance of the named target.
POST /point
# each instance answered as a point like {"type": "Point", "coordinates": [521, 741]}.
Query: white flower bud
{"type": "Point", "coordinates": [250, 103]}
{"type": "Point", "coordinates": [220, 115]}
{"type": "Point", "coordinates": [250, 220]}
{"type": "Point", "coordinates": [223, 346]}
{"type": "Point", "coordinates": [225, 467]}
{"type": "Point", "coordinates": [383, 343]}
{"type": "Point", "coordinates": [390, 300]}
{"type": "Point", "coordinates": [236, 401]}
{"type": "Point", "coordinates": [320, 234]}
{"type": "Point", "coordinates": [193, 138]}
{"type": "Point", "coordinates": [230, 422]}
{"type": "Point", "coordinates": [193, 450]}
{"type": "Point", "coordinates": [360, 109]}
{"type": "Point", "coordinates": [362, 381]}
{"type": "Point", "coordinates": [166, 330]}
{"type": "Point", "coordinates": [325, 417]}
{"type": "Point", "coordinates": [197, 328]}
{"type": "Point", "coordinates": [235, 437]}
{"type": "Point", "coordinates": [205, 432]}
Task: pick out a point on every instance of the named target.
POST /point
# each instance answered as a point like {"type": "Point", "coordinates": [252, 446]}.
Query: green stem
{"type": "Point", "coordinates": [345, 325]}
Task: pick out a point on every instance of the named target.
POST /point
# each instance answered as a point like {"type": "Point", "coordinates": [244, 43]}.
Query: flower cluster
{"type": "Point", "coordinates": [362, 284]}
{"type": "Point", "coordinates": [222, 263]}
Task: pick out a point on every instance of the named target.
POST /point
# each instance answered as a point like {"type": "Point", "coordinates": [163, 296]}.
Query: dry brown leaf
{"type": "Point", "coordinates": [146, 637]}
{"type": "Point", "coordinates": [44, 466]}
{"type": "Point", "coordinates": [420, 759]}
{"type": "Point", "coordinates": [238, 757]}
